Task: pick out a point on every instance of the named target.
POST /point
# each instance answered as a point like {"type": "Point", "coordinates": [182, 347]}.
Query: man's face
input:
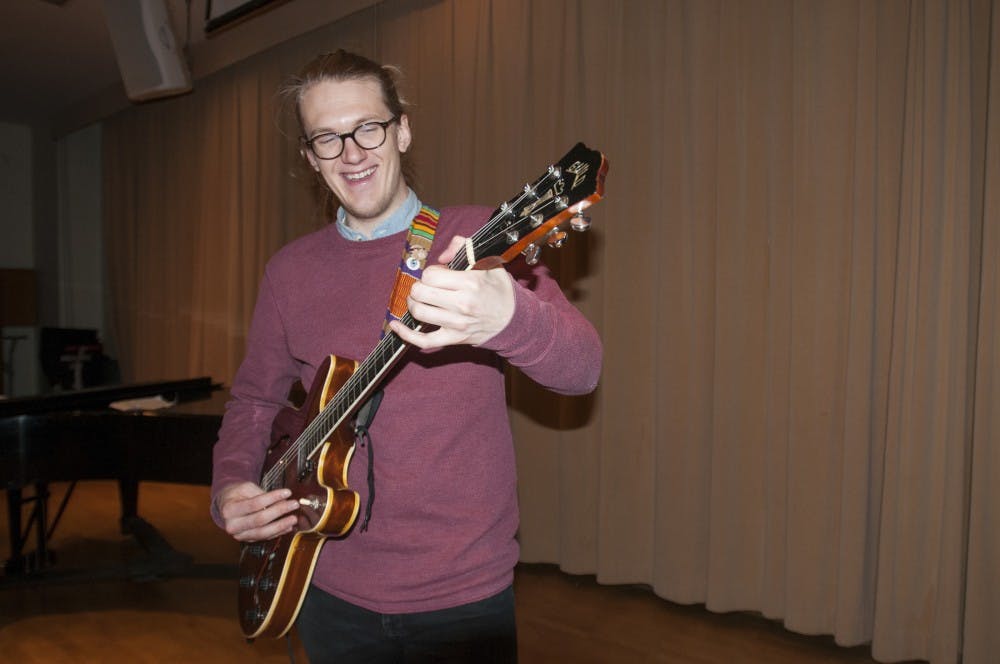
{"type": "Point", "coordinates": [368, 183]}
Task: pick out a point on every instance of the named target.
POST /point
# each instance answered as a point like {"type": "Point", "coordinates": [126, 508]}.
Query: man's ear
{"type": "Point", "coordinates": [403, 136]}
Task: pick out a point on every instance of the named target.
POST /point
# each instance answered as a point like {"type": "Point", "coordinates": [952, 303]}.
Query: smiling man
{"type": "Point", "coordinates": [428, 574]}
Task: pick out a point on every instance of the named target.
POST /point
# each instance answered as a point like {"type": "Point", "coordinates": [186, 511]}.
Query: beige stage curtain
{"type": "Point", "coordinates": [794, 273]}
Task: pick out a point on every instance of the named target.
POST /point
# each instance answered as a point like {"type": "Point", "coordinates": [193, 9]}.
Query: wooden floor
{"type": "Point", "coordinates": [561, 618]}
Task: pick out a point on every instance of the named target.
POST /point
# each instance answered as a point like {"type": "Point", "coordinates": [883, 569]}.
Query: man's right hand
{"type": "Point", "coordinates": [251, 514]}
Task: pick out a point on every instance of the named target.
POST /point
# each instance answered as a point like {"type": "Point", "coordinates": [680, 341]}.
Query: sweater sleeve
{"type": "Point", "coordinates": [547, 338]}
{"type": "Point", "coordinates": [260, 389]}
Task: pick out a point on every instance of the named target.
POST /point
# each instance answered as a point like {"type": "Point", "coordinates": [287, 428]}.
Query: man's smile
{"type": "Point", "coordinates": [360, 176]}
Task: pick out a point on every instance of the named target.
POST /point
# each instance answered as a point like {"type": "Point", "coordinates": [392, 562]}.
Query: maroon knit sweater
{"type": "Point", "coordinates": [443, 523]}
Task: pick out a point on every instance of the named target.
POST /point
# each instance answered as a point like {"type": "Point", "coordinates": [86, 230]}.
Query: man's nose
{"type": "Point", "coordinates": [352, 151]}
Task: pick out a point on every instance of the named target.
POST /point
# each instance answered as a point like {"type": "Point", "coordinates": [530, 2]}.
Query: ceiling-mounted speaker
{"type": "Point", "coordinates": [150, 63]}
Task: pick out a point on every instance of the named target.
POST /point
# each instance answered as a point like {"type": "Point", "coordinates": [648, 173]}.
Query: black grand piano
{"type": "Point", "coordinates": [75, 436]}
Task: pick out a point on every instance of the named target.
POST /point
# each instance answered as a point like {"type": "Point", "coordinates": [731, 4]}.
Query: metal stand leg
{"type": "Point", "coordinates": [16, 563]}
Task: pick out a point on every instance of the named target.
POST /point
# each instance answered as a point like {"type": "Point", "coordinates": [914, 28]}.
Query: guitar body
{"type": "Point", "coordinates": [275, 574]}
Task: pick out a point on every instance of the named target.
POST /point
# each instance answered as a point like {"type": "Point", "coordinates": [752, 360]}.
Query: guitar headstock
{"type": "Point", "coordinates": [536, 215]}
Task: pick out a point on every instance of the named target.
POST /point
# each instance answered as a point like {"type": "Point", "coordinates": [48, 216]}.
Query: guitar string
{"type": "Point", "coordinates": [317, 431]}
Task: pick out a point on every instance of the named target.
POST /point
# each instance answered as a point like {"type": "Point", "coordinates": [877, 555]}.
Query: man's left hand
{"type": "Point", "coordinates": [468, 307]}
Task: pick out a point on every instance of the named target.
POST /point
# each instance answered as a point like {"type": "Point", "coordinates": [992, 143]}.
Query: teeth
{"type": "Point", "coordinates": [358, 176]}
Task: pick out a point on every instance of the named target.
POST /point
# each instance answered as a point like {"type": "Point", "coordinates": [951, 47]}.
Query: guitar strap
{"type": "Point", "coordinates": [415, 249]}
{"type": "Point", "coordinates": [418, 244]}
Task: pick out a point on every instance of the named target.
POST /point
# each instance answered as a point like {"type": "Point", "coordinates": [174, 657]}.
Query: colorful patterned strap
{"type": "Point", "coordinates": [411, 266]}
{"type": "Point", "coordinates": [418, 244]}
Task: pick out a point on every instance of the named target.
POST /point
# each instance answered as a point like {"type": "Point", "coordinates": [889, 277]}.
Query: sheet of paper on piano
{"type": "Point", "coordinates": [143, 403]}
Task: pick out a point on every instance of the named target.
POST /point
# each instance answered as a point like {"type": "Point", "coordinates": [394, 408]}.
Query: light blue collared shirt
{"type": "Point", "coordinates": [398, 221]}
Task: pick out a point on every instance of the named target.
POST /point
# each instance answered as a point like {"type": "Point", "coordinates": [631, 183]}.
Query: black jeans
{"type": "Point", "coordinates": [333, 630]}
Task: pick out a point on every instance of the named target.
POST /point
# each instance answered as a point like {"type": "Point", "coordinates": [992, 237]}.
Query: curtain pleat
{"type": "Point", "coordinates": [981, 608]}
{"type": "Point", "coordinates": [794, 273]}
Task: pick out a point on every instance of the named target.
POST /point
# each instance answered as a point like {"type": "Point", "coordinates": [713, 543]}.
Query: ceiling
{"type": "Point", "coordinates": [58, 68]}
{"type": "Point", "coordinates": [55, 54]}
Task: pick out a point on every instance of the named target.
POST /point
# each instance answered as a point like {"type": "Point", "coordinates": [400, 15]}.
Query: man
{"type": "Point", "coordinates": [429, 577]}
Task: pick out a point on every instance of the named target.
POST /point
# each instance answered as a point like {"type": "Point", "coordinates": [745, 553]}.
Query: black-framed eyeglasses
{"type": "Point", "coordinates": [368, 136]}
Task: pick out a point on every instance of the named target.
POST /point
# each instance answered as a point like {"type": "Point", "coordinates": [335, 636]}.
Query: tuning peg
{"type": "Point", "coordinates": [531, 254]}
{"type": "Point", "coordinates": [556, 237]}
{"type": "Point", "coordinates": [579, 222]}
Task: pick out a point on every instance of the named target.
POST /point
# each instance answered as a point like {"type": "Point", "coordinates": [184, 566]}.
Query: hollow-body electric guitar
{"type": "Point", "coordinates": [311, 447]}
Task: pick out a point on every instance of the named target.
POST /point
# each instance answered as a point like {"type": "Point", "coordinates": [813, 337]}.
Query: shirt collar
{"type": "Point", "coordinates": [398, 221]}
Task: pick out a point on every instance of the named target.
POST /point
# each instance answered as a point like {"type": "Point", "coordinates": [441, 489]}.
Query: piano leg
{"type": "Point", "coordinates": [41, 557]}
{"type": "Point", "coordinates": [128, 493]}
{"type": "Point", "coordinates": [164, 559]}
{"type": "Point", "coordinates": [16, 563]}
{"type": "Point", "coordinates": [40, 519]}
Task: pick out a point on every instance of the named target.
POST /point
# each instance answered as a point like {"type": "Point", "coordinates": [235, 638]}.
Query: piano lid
{"type": "Point", "coordinates": [100, 397]}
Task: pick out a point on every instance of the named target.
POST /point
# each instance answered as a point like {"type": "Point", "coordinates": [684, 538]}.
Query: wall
{"type": "Point", "coordinates": [16, 226]}
{"type": "Point", "coordinates": [80, 247]}
{"type": "Point", "coordinates": [17, 251]}
{"type": "Point", "coordinates": [50, 195]}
